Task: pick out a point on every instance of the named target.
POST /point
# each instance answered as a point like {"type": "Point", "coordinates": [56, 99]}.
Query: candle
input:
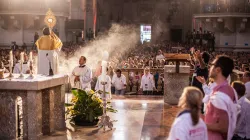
{"type": "Point", "coordinates": [22, 57]}
{"type": "Point", "coordinates": [105, 55]}
{"type": "Point", "coordinates": [30, 56]}
{"type": "Point", "coordinates": [11, 55]}
{"type": "Point", "coordinates": [11, 59]}
{"type": "Point", "coordinates": [104, 71]}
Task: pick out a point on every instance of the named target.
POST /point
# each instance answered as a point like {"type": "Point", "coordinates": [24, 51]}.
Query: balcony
{"type": "Point", "coordinates": [33, 8]}
{"type": "Point", "coordinates": [221, 15]}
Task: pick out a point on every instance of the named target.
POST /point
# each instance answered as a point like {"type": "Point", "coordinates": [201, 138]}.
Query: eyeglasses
{"type": "Point", "coordinates": [212, 64]}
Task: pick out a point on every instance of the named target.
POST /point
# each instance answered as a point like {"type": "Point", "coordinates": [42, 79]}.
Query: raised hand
{"type": "Point", "coordinates": [201, 79]}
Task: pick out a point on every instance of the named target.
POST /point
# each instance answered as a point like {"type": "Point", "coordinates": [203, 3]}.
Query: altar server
{"type": "Point", "coordinates": [25, 68]}
{"type": "Point", "coordinates": [147, 82]}
{"type": "Point", "coordinates": [82, 75]}
{"type": "Point", "coordinates": [48, 47]}
{"type": "Point", "coordinates": [99, 86]}
{"type": "Point", "coordinates": [119, 81]}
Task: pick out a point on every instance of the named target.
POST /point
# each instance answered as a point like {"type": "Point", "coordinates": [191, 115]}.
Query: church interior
{"type": "Point", "coordinates": [124, 69]}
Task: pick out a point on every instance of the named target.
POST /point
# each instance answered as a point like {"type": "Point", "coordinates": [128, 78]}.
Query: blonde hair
{"type": "Point", "coordinates": [146, 68]}
{"type": "Point", "coordinates": [191, 99]}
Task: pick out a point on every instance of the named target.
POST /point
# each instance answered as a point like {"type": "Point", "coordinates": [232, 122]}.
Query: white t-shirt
{"type": "Point", "coordinates": [119, 82]}
{"type": "Point", "coordinates": [183, 129]}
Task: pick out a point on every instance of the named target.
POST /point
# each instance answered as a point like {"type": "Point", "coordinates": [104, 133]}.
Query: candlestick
{"type": "Point", "coordinates": [22, 57]}
{"type": "Point", "coordinates": [11, 56]}
{"type": "Point", "coordinates": [105, 119]}
{"type": "Point", "coordinates": [31, 70]}
{"type": "Point", "coordinates": [21, 64]}
{"type": "Point", "coordinates": [10, 65]}
{"type": "Point", "coordinates": [10, 69]}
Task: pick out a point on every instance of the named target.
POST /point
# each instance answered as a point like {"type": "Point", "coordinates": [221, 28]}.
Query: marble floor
{"type": "Point", "coordinates": [138, 118]}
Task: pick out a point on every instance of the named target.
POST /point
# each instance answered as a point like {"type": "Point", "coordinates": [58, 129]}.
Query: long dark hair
{"type": "Point", "coordinates": [191, 99]}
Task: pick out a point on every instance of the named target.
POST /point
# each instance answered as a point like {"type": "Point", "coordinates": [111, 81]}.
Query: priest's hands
{"type": "Point", "coordinates": [77, 79]}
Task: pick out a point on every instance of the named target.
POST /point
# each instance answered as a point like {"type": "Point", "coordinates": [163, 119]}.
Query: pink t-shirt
{"type": "Point", "coordinates": [213, 114]}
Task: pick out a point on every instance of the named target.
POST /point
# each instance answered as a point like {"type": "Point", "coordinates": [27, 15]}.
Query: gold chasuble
{"type": "Point", "coordinates": [48, 42]}
{"type": "Point", "coordinates": [48, 48]}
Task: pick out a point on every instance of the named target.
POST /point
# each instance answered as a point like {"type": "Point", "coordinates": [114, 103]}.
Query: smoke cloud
{"type": "Point", "coordinates": [117, 42]}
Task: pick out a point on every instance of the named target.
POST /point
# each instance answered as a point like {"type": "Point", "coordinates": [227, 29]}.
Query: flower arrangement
{"type": "Point", "coordinates": [86, 106]}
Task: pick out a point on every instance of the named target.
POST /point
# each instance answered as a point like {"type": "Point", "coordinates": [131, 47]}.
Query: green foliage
{"type": "Point", "coordinates": [86, 105]}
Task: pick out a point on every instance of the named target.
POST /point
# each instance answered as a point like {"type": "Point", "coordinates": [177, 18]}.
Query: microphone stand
{"type": "Point", "coordinates": [31, 76]}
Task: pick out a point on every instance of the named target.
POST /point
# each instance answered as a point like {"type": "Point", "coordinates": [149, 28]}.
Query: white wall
{"type": "Point", "coordinates": [29, 36]}
{"type": "Point", "coordinates": [6, 37]}
{"type": "Point", "coordinates": [236, 40]}
{"type": "Point", "coordinates": [243, 38]}
{"type": "Point", "coordinates": [229, 38]}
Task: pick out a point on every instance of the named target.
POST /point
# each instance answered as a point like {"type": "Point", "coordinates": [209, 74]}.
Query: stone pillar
{"type": "Point", "coordinates": [8, 117]}
{"type": "Point", "coordinates": [62, 33]}
{"type": "Point", "coordinates": [34, 110]}
{"type": "Point", "coordinates": [60, 108]}
{"type": "Point", "coordinates": [53, 109]}
{"type": "Point", "coordinates": [89, 11]}
{"type": "Point", "coordinates": [48, 123]}
{"type": "Point", "coordinates": [174, 83]}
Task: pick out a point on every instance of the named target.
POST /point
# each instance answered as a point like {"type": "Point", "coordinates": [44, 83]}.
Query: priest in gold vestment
{"type": "Point", "coordinates": [48, 47]}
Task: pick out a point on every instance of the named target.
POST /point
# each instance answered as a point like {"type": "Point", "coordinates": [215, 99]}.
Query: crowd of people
{"type": "Point", "coordinates": [69, 48]}
{"type": "Point", "coordinates": [212, 108]}
{"type": "Point", "coordinates": [140, 57]}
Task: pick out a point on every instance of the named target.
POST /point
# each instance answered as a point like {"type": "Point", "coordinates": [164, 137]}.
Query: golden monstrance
{"type": "Point", "coordinates": [50, 19]}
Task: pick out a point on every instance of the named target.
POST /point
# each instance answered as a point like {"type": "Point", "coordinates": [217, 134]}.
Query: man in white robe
{"type": "Point", "coordinates": [48, 47]}
{"type": "Point", "coordinates": [25, 68]}
{"type": "Point", "coordinates": [99, 86]}
{"type": "Point", "coordinates": [147, 82]}
{"type": "Point", "coordinates": [160, 56]}
{"type": "Point", "coordinates": [82, 75]}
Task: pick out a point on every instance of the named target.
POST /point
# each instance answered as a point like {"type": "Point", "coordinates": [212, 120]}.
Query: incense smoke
{"type": "Point", "coordinates": [117, 41]}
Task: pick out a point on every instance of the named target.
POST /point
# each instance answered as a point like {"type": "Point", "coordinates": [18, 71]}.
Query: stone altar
{"type": "Point", "coordinates": [42, 106]}
{"type": "Point", "coordinates": [176, 77]}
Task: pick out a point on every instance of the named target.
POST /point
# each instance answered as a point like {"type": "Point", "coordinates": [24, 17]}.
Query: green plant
{"type": "Point", "coordinates": [86, 106]}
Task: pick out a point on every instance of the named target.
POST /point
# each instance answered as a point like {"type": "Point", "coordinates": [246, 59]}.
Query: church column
{"type": "Point", "coordinates": [90, 12]}
{"type": "Point", "coordinates": [22, 30]}
{"type": "Point", "coordinates": [34, 110]}
{"type": "Point", "coordinates": [62, 34]}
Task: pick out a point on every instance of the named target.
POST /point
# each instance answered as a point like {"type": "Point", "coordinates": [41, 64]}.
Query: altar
{"type": "Point", "coordinates": [31, 108]}
{"type": "Point", "coordinates": [176, 77]}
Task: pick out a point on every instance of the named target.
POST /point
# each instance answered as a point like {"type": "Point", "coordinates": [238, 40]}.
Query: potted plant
{"type": "Point", "coordinates": [86, 107]}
